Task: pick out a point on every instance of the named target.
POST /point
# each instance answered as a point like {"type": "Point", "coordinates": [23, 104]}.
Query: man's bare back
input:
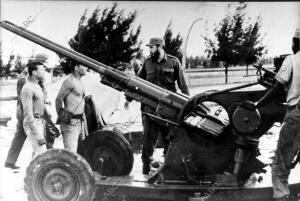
{"type": "Point", "coordinates": [72, 94]}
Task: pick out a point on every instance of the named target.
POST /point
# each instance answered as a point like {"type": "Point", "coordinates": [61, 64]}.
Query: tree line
{"type": "Point", "coordinates": [109, 36]}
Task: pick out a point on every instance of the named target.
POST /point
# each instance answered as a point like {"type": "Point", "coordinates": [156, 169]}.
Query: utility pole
{"type": "Point", "coordinates": [185, 46]}
{"type": "Point", "coordinates": [1, 61]}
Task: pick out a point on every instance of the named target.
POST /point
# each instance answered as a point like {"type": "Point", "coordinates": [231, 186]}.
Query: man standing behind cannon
{"type": "Point", "coordinates": [288, 83]}
{"type": "Point", "coordinates": [20, 136]}
{"type": "Point", "coordinates": [163, 70]}
{"type": "Point", "coordinates": [33, 105]}
{"type": "Point", "coordinates": [71, 119]}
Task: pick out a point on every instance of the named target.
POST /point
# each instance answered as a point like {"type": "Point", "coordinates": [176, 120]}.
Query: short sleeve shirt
{"type": "Point", "coordinates": [289, 76]}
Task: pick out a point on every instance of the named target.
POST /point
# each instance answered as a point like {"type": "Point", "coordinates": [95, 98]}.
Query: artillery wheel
{"type": "Point", "coordinates": [108, 153]}
{"type": "Point", "coordinates": [59, 175]}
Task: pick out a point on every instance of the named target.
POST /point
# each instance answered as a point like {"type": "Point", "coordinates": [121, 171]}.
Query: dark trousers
{"type": "Point", "coordinates": [16, 144]}
{"type": "Point", "coordinates": [151, 131]}
{"type": "Point", "coordinates": [287, 147]}
{"type": "Point", "coordinates": [49, 141]}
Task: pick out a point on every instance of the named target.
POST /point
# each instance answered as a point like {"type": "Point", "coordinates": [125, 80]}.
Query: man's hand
{"type": "Point", "coordinates": [249, 105]}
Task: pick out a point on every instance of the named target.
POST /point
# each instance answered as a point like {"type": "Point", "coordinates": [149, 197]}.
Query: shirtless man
{"type": "Point", "coordinates": [71, 95]}
{"type": "Point", "coordinates": [20, 136]}
{"type": "Point", "coordinates": [32, 101]}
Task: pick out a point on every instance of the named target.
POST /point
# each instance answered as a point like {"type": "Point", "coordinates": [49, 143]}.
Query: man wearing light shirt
{"type": "Point", "coordinates": [288, 84]}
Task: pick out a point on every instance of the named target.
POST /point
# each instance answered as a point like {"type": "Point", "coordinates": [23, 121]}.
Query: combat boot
{"type": "Point", "coordinates": [11, 166]}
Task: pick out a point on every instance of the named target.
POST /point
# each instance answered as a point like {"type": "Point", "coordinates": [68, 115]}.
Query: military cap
{"type": "Point", "coordinates": [297, 33]}
{"type": "Point", "coordinates": [39, 58]}
{"type": "Point", "coordinates": [156, 41]}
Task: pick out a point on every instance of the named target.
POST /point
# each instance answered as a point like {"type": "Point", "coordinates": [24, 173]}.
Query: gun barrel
{"type": "Point", "coordinates": [100, 68]}
{"type": "Point", "coordinates": [128, 83]}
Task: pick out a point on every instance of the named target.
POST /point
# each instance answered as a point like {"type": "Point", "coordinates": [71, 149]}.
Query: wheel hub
{"type": "Point", "coordinates": [104, 157]}
{"type": "Point", "coordinates": [59, 184]}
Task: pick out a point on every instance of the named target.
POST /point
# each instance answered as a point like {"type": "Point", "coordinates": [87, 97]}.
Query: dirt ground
{"type": "Point", "coordinates": [110, 104]}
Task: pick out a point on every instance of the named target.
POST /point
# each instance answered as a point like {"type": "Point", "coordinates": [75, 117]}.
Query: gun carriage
{"type": "Point", "coordinates": [212, 153]}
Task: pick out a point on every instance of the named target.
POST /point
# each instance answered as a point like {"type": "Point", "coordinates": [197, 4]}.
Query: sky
{"type": "Point", "coordinates": [58, 21]}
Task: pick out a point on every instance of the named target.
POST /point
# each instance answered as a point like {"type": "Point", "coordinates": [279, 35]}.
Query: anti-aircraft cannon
{"type": "Point", "coordinates": [214, 145]}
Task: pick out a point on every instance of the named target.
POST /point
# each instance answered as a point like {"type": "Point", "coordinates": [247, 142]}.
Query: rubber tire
{"type": "Point", "coordinates": [59, 160]}
{"type": "Point", "coordinates": [119, 160]}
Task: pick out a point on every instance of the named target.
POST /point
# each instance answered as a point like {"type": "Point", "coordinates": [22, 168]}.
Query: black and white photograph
{"type": "Point", "coordinates": [149, 100]}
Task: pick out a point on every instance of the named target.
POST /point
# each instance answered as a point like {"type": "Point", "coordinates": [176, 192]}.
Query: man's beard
{"type": "Point", "coordinates": [154, 56]}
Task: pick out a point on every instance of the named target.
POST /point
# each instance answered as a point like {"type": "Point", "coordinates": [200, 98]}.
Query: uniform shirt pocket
{"type": "Point", "coordinates": [168, 75]}
{"type": "Point", "coordinates": [150, 75]}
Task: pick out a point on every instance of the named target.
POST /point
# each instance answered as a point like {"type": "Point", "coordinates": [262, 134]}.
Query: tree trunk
{"type": "Point", "coordinates": [189, 73]}
{"type": "Point", "coordinates": [226, 73]}
{"type": "Point", "coordinates": [247, 70]}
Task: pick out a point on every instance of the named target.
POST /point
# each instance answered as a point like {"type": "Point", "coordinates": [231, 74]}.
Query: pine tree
{"type": "Point", "coordinates": [19, 66]}
{"type": "Point", "coordinates": [237, 41]}
{"type": "Point", "coordinates": [107, 36]}
{"type": "Point", "coordinates": [252, 44]}
{"type": "Point", "coordinates": [173, 45]}
{"type": "Point", "coordinates": [225, 52]}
